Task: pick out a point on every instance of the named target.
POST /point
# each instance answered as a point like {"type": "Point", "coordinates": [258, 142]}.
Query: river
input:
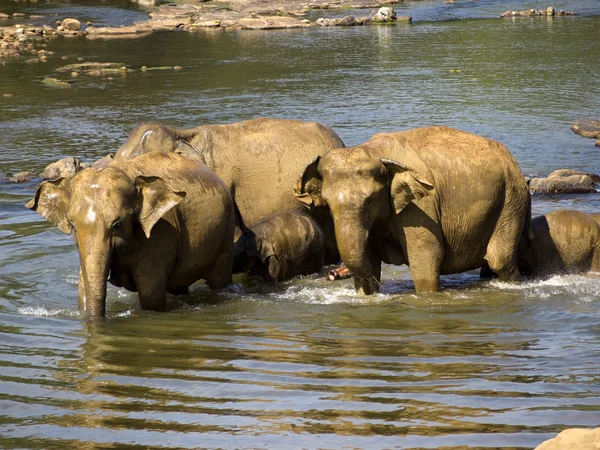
{"type": "Point", "coordinates": [306, 363]}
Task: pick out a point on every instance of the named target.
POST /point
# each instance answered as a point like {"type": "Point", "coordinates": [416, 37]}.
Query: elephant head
{"type": "Point", "coordinates": [363, 192]}
{"type": "Point", "coordinates": [154, 137]}
{"type": "Point", "coordinates": [101, 209]}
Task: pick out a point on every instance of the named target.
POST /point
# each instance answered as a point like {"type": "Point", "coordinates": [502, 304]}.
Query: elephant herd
{"type": "Point", "coordinates": [280, 198]}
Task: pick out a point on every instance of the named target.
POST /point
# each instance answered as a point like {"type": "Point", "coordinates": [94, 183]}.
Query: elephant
{"type": "Point", "coordinates": [438, 199]}
{"type": "Point", "coordinates": [286, 245]}
{"type": "Point", "coordinates": [157, 223]}
{"type": "Point", "coordinates": [564, 241]}
{"type": "Point", "coordinates": [258, 160]}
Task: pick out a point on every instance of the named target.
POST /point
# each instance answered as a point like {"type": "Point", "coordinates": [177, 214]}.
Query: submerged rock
{"type": "Point", "coordinates": [564, 181]}
{"type": "Point", "coordinates": [573, 439]}
{"type": "Point", "coordinates": [65, 168]}
{"type": "Point", "coordinates": [55, 82]}
{"type": "Point", "coordinates": [589, 128]}
{"type": "Point", "coordinates": [22, 177]}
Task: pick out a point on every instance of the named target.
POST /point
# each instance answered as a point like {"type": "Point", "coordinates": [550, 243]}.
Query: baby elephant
{"type": "Point", "coordinates": [154, 224]}
{"type": "Point", "coordinates": [565, 241]}
{"type": "Point", "coordinates": [286, 245]}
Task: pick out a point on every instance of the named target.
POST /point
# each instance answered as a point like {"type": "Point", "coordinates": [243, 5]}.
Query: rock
{"type": "Point", "coordinates": [55, 82]}
{"type": "Point", "coordinates": [385, 14]}
{"type": "Point", "coordinates": [22, 177]}
{"type": "Point", "coordinates": [564, 181]}
{"type": "Point", "coordinates": [91, 66]}
{"type": "Point", "coordinates": [573, 439]}
{"type": "Point", "coordinates": [571, 172]}
{"type": "Point", "coordinates": [550, 11]}
{"type": "Point", "coordinates": [589, 128]}
{"type": "Point", "coordinates": [102, 162]}
{"type": "Point", "coordinates": [71, 24]}
{"type": "Point", "coordinates": [3, 16]}
{"type": "Point", "coordinates": [66, 168]}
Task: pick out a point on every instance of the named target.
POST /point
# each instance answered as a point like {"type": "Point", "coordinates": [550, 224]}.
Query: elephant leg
{"type": "Point", "coordinates": [425, 271]}
{"type": "Point", "coordinates": [595, 267]}
{"type": "Point", "coordinates": [425, 253]}
{"type": "Point", "coordinates": [501, 256]}
{"type": "Point", "coordinates": [220, 275]}
{"type": "Point", "coordinates": [150, 278]}
{"type": "Point", "coordinates": [372, 284]}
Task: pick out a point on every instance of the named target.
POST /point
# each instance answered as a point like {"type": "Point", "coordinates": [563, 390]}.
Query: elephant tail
{"type": "Point", "coordinates": [527, 228]}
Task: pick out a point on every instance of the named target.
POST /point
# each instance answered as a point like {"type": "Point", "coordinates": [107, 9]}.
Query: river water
{"type": "Point", "coordinates": [306, 363]}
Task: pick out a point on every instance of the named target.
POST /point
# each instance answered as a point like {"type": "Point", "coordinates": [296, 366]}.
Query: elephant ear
{"type": "Point", "coordinates": [50, 202]}
{"type": "Point", "coordinates": [405, 184]}
{"type": "Point", "coordinates": [155, 199]}
{"type": "Point", "coordinates": [186, 149]}
{"type": "Point", "coordinates": [264, 250]}
{"type": "Point", "coordinates": [307, 188]}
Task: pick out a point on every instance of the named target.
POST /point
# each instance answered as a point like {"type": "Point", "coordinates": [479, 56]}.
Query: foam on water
{"type": "Point", "coordinates": [326, 295]}
{"type": "Point", "coordinates": [582, 286]}
{"type": "Point", "coordinates": [41, 311]}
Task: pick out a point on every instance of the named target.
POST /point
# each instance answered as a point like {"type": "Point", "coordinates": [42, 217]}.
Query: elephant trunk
{"type": "Point", "coordinates": [353, 243]}
{"type": "Point", "coordinates": [94, 272]}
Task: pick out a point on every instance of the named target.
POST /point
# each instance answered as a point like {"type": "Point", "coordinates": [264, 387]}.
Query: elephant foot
{"type": "Point", "coordinates": [339, 273]}
{"type": "Point", "coordinates": [367, 286]}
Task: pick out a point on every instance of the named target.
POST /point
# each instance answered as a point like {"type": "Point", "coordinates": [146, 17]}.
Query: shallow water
{"type": "Point", "coordinates": [305, 364]}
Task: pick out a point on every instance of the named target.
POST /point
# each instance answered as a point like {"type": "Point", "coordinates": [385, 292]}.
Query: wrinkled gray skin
{"type": "Point", "coordinates": [438, 199]}
{"type": "Point", "coordinates": [156, 224]}
{"type": "Point", "coordinates": [564, 241]}
{"type": "Point", "coordinates": [286, 245]}
{"type": "Point", "coordinates": [258, 160]}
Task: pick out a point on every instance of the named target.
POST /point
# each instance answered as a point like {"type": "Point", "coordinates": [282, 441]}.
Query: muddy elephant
{"type": "Point", "coordinates": [564, 241]}
{"type": "Point", "coordinates": [156, 224]}
{"type": "Point", "coordinates": [258, 160]}
{"type": "Point", "coordinates": [437, 199]}
{"type": "Point", "coordinates": [285, 245]}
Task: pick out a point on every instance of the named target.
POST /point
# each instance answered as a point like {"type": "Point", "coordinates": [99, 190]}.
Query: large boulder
{"type": "Point", "coordinates": [71, 24]}
{"type": "Point", "coordinates": [564, 181]}
{"type": "Point", "coordinates": [385, 14]}
{"type": "Point", "coordinates": [587, 128]}
{"type": "Point", "coordinates": [573, 439]}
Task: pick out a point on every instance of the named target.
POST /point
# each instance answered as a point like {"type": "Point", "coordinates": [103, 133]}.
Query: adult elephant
{"type": "Point", "coordinates": [438, 199]}
{"type": "Point", "coordinates": [259, 161]}
{"type": "Point", "coordinates": [156, 224]}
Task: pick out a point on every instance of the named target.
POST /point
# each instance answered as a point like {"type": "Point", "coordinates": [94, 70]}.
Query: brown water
{"type": "Point", "coordinates": [304, 364]}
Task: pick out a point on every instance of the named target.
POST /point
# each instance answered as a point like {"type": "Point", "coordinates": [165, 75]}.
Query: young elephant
{"type": "Point", "coordinates": [286, 245]}
{"type": "Point", "coordinates": [564, 241]}
{"type": "Point", "coordinates": [156, 223]}
{"type": "Point", "coordinates": [437, 199]}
